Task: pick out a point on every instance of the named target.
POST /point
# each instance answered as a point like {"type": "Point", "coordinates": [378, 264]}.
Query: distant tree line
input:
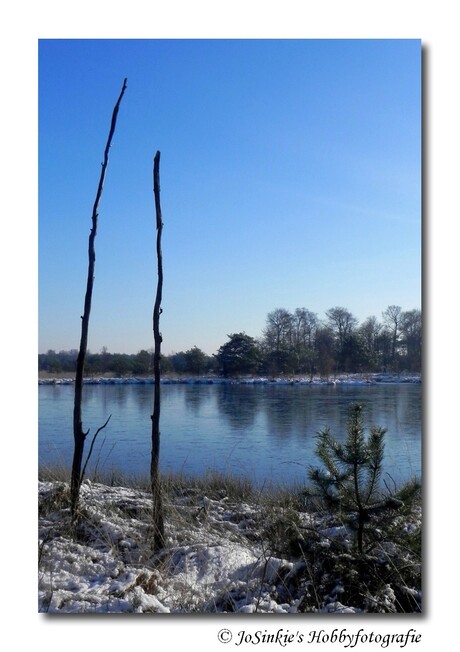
{"type": "Point", "coordinates": [299, 342]}
{"type": "Point", "coordinates": [292, 343]}
{"type": "Point", "coordinates": [193, 361]}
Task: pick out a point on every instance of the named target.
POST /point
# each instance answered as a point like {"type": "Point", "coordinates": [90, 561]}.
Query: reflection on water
{"type": "Point", "coordinates": [238, 406]}
{"type": "Point", "coordinates": [265, 432]}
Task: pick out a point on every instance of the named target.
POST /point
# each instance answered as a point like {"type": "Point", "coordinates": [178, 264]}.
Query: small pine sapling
{"type": "Point", "coordinates": [349, 480]}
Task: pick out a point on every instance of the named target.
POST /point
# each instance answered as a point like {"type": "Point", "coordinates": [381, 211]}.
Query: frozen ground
{"type": "Point", "coordinates": [215, 559]}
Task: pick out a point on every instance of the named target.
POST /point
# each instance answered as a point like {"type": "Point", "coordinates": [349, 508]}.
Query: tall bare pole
{"type": "Point", "coordinates": [157, 517]}
{"type": "Point", "coordinates": [78, 433]}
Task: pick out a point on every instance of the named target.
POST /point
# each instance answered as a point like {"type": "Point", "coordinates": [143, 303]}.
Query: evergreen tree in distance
{"type": "Point", "coordinates": [240, 355]}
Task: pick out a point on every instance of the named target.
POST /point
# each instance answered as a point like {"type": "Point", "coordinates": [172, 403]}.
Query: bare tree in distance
{"type": "Point", "coordinates": [157, 515]}
{"type": "Point", "coordinates": [342, 322]}
{"type": "Point", "coordinates": [393, 318]}
{"type": "Point", "coordinates": [78, 432]}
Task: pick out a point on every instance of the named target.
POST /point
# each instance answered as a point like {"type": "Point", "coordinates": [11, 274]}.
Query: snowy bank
{"type": "Point", "coordinates": [218, 557]}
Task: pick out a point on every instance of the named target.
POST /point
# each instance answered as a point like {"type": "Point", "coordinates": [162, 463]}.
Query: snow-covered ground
{"type": "Point", "coordinates": [214, 560]}
{"type": "Point", "coordinates": [341, 379]}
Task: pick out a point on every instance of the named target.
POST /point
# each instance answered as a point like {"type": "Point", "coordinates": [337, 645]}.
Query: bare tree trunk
{"type": "Point", "coordinates": [78, 433]}
{"type": "Point", "coordinates": [157, 517]}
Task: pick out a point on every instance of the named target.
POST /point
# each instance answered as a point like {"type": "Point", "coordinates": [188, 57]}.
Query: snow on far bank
{"type": "Point", "coordinates": [343, 379]}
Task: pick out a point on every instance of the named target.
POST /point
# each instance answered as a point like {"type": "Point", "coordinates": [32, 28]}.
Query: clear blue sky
{"type": "Point", "coordinates": [290, 177]}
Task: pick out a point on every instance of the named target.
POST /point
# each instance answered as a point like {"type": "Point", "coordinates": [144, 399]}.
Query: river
{"type": "Point", "coordinates": [263, 432]}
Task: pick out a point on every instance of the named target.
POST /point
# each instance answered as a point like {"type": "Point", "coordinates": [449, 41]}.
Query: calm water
{"type": "Point", "coordinates": [263, 432]}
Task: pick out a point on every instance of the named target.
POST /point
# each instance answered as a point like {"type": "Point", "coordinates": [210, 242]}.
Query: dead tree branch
{"type": "Point", "coordinates": [157, 517]}
{"type": "Point", "coordinates": [91, 449]}
{"type": "Point", "coordinates": [79, 434]}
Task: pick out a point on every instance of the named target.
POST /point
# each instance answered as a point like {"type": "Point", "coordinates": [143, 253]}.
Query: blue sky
{"type": "Point", "coordinates": [290, 177]}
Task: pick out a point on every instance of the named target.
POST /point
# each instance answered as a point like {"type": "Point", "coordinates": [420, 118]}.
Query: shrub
{"type": "Point", "coordinates": [376, 560]}
{"type": "Point", "coordinates": [349, 482]}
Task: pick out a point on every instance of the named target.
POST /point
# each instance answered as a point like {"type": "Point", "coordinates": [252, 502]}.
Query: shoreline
{"type": "Point", "coordinates": [341, 379]}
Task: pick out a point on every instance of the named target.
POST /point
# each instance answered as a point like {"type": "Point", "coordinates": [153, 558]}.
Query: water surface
{"type": "Point", "coordinates": [264, 432]}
